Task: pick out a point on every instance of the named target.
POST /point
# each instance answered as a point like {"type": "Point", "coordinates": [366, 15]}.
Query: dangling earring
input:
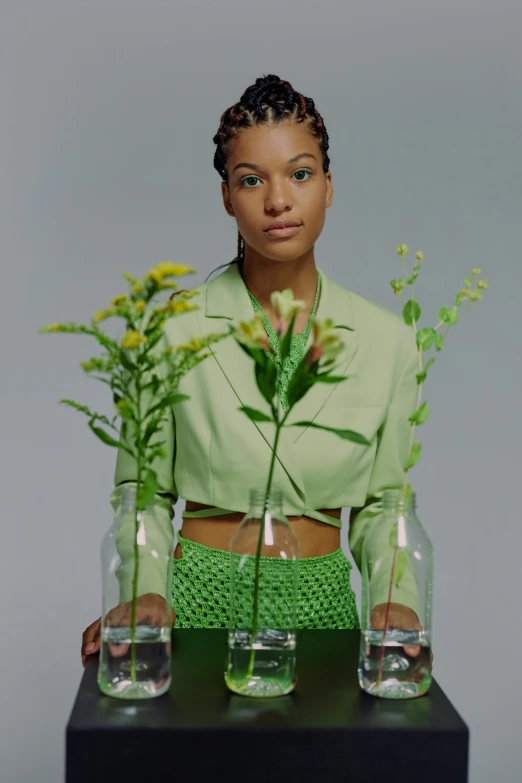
{"type": "Point", "coordinates": [240, 248]}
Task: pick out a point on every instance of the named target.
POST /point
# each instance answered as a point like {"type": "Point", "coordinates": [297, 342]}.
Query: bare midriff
{"type": "Point", "coordinates": [315, 538]}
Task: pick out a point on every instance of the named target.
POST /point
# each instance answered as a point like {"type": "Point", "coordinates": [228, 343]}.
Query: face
{"type": "Point", "coordinates": [277, 190]}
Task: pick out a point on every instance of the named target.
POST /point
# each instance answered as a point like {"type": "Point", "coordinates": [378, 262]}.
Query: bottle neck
{"type": "Point", "coordinates": [274, 500]}
{"type": "Point", "coordinates": [128, 497]}
{"type": "Point", "coordinates": [395, 501]}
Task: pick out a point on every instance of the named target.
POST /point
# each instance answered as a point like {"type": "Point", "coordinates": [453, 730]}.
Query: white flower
{"type": "Point", "coordinates": [285, 307]}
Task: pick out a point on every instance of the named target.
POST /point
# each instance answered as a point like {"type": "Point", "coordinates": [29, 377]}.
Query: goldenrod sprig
{"type": "Point", "coordinates": [143, 373]}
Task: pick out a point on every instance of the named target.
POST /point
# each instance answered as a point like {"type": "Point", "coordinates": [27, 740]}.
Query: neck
{"type": "Point", "coordinates": [262, 279]}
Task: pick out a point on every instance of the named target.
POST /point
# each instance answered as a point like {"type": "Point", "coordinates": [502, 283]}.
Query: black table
{"type": "Point", "coordinates": [201, 731]}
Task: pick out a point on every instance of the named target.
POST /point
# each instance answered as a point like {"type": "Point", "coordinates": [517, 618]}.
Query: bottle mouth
{"type": "Point", "coordinates": [257, 497]}
{"type": "Point", "coordinates": [395, 498]}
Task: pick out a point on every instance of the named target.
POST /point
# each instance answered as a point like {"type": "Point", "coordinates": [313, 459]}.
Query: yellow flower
{"type": "Point", "coordinates": [196, 344]}
{"type": "Point", "coordinates": [476, 271]}
{"type": "Point", "coordinates": [166, 268]}
{"type": "Point", "coordinates": [420, 255]}
{"type": "Point", "coordinates": [169, 268]}
{"type": "Point", "coordinates": [252, 333]}
{"type": "Point", "coordinates": [132, 339]}
{"type": "Point", "coordinates": [482, 284]}
{"type": "Point", "coordinates": [181, 306]}
{"type": "Point", "coordinates": [139, 306]}
{"type": "Point", "coordinates": [153, 274]}
{"type": "Point", "coordinates": [136, 288]}
{"type": "Point", "coordinates": [99, 315]}
{"type": "Point", "coordinates": [403, 250]}
{"type": "Point", "coordinates": [53, 327]}
{"type": "Point", "coordinates": [119, 299]}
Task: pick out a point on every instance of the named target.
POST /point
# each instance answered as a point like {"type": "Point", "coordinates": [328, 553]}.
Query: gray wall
{"type": "Point", "coordinates": [108, 114]}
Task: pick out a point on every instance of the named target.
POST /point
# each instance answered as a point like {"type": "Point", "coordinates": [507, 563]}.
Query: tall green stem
{"type": "Point", "coordinates": [402, 496]}
{"type": "Point", "coordinates": [279, 426]}
{"type": "Point", "coordinates": [136, 553]}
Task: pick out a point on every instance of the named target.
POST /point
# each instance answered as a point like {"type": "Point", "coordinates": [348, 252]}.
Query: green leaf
{"type": "Point", "coordinates": [439, 340]}
{"type": "Point", "coordinates": [429, 362]}
{"type": "Point", "coordinates": [285, 342]}
{"type": "Point", "coordinates": [78, 407]}
{"type": "Point", "coordinates": [254, 414]}
{"type": "Point", "coordinates": [401, 562]}
{"type": "Point", "coordinates": [421, 377]}
{"type": "Point", "coordinates": [449, 315]}
{"type": "Point", "coordinates": [104, 436]}
{"type": "Point", "coordinates": [125, 361]}
{"type": "Point", "coordinates": [415, 455]}
{"type": "Point", "coordinates": [84, 409]}
{"type": "Point", "coordinates": [147, 490]}
{"type": "Point", "coordinates": [172, 399]}
{"type": "Point", "coordinates": [392, 537]}
{"type": "Point", "coordinates": [425, 337]}
{"type": "Point", "coordinates": [421, 414]}
{"type": "Point", "coordinates": [468, 281]}
{"type": "Point", "coordinates": [266, 380]}
{"type": "Point", "coordinates": [254, 353]}
{"type": "Point", "coordinates": [298, 387]}
{"type": "Point", "coordinates": [411, 311]}
{"type": "Point", "coordinates": [325, 377]}
{"type": "Point", "coordinates": [355, 437]}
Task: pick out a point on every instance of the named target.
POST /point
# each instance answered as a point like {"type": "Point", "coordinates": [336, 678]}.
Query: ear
{"type": "Point", "coordinates": [329, 189]}
{"type": "Point", "coordinates": [226, 199]}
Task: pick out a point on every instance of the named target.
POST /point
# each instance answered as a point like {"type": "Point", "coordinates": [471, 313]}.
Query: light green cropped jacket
{"type": "Point", "coordinates": [215, 453]}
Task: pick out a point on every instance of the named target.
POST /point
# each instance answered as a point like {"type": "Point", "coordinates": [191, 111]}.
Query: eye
{"type": "Point", "coordinates": [253, 176]}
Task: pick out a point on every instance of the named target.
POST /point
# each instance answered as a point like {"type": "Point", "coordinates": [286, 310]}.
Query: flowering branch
{"type": "Point", "coordinates": [131, 369]}
{"type": "Point", "coordinates": [425, 339]}
{"type": "Point", "coordinates": [316, 367]}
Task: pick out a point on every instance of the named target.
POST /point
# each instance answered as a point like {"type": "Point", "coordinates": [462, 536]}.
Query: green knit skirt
{"type": "Point", "coordinates": [201, 588]}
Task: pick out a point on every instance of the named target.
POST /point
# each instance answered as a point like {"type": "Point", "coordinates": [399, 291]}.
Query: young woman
{"type": "Point", "coordinates": [272, 157]}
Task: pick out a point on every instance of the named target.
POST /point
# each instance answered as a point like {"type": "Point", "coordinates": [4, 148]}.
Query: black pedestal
{"type": "Point", "coordinates": [201, 731]}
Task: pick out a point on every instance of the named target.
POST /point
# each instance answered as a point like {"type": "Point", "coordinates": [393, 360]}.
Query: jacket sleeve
{"type": "Point", "coordinates": [393, 440]}
{"type": "Point", "coordinates": [159, 531]}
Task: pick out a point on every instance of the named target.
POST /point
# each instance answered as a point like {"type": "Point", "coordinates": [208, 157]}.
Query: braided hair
{"type": "Point", "coordinates": [270, 101]}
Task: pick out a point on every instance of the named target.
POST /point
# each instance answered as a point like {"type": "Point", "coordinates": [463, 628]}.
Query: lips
{"type": "Point", "coordinates": [283, 224]}
{"type": "Point", "coordinates": [282, 232]}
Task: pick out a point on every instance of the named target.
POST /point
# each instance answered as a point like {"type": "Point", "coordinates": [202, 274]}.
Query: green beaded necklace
{"type": "Point", "coordinates": [297, 346]}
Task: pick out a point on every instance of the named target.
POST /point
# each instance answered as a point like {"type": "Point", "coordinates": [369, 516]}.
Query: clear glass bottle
{"type": "Point", "coordinates": [136, 626]}
{"type": "Point", "coordinates": [262, 632]}
{"type": "Point", "coordinates": [387, 667]}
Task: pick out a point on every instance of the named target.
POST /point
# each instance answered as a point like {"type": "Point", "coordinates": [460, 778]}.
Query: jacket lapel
{"type": "Point", "coordinates": [227, 298]}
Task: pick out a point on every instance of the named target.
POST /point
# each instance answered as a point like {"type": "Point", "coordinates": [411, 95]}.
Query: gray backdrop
{"type": "Point", "coordinates": [108, 114]}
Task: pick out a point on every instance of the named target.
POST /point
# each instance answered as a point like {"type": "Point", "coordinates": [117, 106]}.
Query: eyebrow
{"type": "Point", "coordinates": [259, 168]}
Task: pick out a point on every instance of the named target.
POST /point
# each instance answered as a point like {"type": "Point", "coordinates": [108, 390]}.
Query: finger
{"type": "Point", "coordinates": [90, 637]}
{"type": "Point", "coordinates": [117, 650]}
{"type": "Point", "coordinates": [412, 650]}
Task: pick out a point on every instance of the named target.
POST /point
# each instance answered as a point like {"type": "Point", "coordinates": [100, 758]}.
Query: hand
{"type": "Point", "coordinates": [150, 609]}
{"type": "Point", "coordinates": [399, 616]}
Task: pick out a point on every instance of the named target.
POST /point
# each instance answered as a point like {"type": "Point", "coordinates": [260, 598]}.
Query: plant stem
{"type": "Point", "coordinates": [402, 497]}
{"type": "Point", "coordinates": [279, 426]}
{"type": "Point", "coordinates": [136, 553]}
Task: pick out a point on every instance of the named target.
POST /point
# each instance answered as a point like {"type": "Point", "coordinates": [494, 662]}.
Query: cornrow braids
{"type": "Point", "coordinates": [270, 101]}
